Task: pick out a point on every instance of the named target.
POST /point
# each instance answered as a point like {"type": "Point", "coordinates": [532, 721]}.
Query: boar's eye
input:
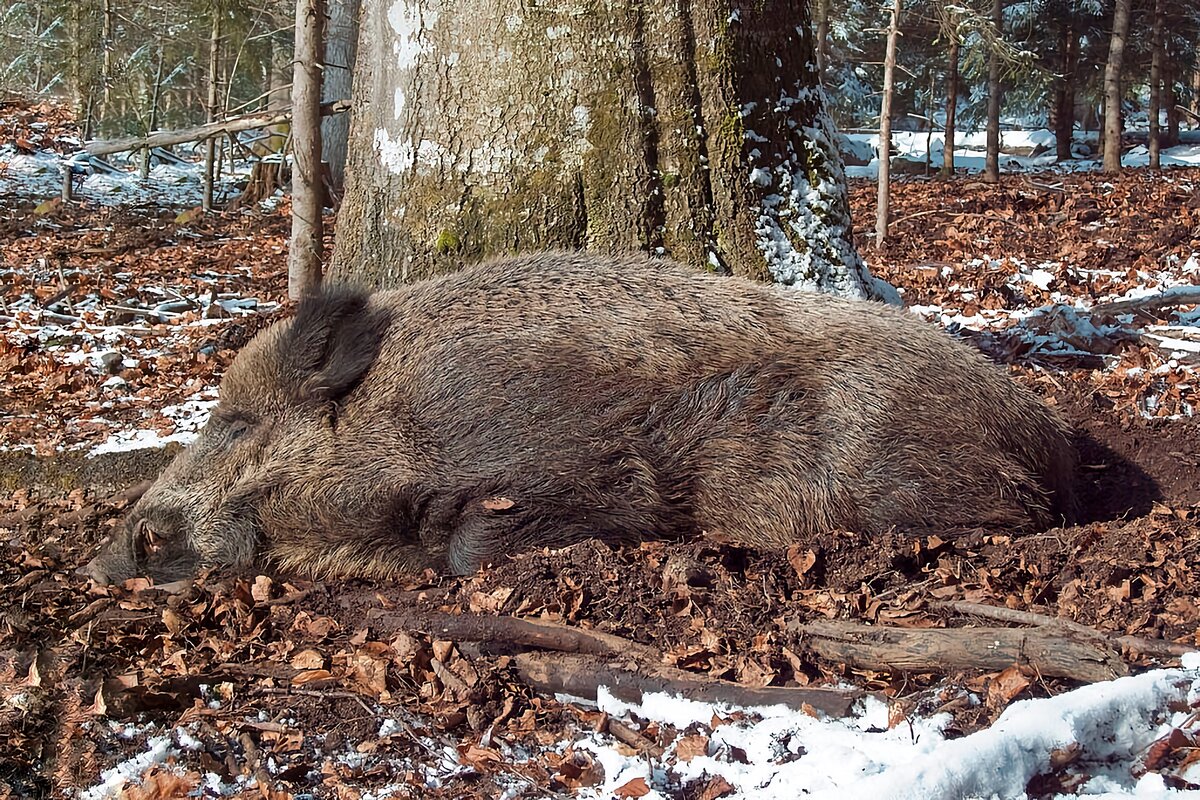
{"type": "Point", "coordinates": [237, 429]}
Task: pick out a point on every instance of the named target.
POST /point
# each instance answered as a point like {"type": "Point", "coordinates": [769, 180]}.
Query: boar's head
{"type": "Point", "coordinates": [278, 410]}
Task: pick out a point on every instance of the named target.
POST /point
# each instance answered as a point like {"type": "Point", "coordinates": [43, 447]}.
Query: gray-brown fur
{"type": "Point", "coordinates": [541, 400]}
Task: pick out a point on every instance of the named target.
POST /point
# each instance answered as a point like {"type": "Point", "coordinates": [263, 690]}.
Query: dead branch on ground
{"type": "Point", "coordinates": [1052, 652]}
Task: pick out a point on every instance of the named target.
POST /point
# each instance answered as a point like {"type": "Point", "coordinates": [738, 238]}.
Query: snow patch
{"type": "Point", "coordinates": [112, 781]}
{"type": "Point", "coordinates": [785, 754]}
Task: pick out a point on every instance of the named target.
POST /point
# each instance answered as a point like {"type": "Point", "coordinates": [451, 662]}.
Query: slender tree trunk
{"type": "Point", "coordinates": [1156, 93]}
{"type": "Point", "coordinates": [885, 128]}
{"type": "Point", "coordinates": [305, 252]}
{"type": "Point", "coordinates": [671, 127]}
{"type": "Point", "coordinates": [214, 87]}
{"type": "Point", "coordinates": [341, 39]}
{"type": "Point", "coordinates": [991, 167]}
{"type": "Point", "coordinates": [951, 107]}
{"type": "Point", "coordinates": [1112, 87]}
{"type": "Point", "coordinates": [1171, 95]}
{"type": "Point", "coordinates": [1064, 93]}
{"type": "Point", "coordinates": [106, 70]}
{"type": "Point", "coordinates": [823, 10]}
{"type": "Point", "coordinates": [37, 49]}
{"type": "Point", "coordinates": [154, 97]}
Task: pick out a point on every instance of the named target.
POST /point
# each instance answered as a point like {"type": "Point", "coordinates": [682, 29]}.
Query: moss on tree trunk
{"type": "Point", "coordinates": [695, 130]}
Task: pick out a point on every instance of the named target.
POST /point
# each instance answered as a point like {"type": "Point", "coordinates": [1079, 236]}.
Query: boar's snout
{"type": "Point", "coordinates": [154, 541]}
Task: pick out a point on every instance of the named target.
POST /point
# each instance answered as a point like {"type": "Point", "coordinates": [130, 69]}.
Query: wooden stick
{"type": "Point", "coordinates": [622, 732]}
{"type": "Point", "coordinates": [1054, 652]}
{"type": "Point", "coordinates": [512, 630]}
{"type": "Point", "coordinates": [1153, 647]}
{"type": "Point", "coordinates": [206, 131]}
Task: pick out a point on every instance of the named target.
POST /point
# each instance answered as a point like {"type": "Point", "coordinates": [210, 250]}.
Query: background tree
{"type": "Point", "coordinates": [1112, 87]}
{"type": "Point", "coordinates": [885, 127]}
{"type": "Point", "coordinates": [483, 128]}
{"type": "Point", "coordinates": [305, 250]}
{"type": "Point", "coordinates": [951, 31]}
{"type": "Point", "coordinates": [991, 169]}
{"type": "Point", "coordinates": [341, 40]}
{"type": "Point", "coordinates": [1156, 83]}
{"type": "Point", "coordinates": [212, 106]}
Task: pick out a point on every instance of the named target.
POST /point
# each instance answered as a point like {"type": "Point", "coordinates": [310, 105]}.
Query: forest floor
{"type": "Point", "coordinates": [118, 321]}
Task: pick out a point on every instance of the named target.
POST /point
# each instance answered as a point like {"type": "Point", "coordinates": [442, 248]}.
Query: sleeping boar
{"type": "Point", "coordinates": [541, 400]}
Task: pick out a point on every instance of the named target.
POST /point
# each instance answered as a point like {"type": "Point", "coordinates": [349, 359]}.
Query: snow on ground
{"type": "Point", "coordinates": [1098, 738]}
{"type": "Point", "coordinates": [1069, 324]}
{"type": "Point", "coordinates": [785, 754]}
{"type": "Point", "coordinates": [178, 183]}
{"type": "Point", "coordinates": [1029, 150]}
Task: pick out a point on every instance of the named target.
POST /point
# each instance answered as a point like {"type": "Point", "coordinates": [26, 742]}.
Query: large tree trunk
{"type": "Point", "coordinates": [308, 195]}
{"type": "Point", "coordinates": [689, 129]}
{"type": "Point", "coordinates": [1156, 93]}
{"type": "Point", "coordinates": [991, 163]}
{"type": "Point", "coordinates": [1112, 87]}
{"type": "Point", "coordinates": [885, 127]}
{"type": "Point", "coordinates": [341, 40]}
{"type": "Point", "coordinates": [951, 107]}
{"type": "Point", "coordinates": [1064, 93]}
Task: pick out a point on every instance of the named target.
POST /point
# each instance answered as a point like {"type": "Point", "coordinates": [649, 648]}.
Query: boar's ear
{"type": "Point", "coordinates": [334, 339]}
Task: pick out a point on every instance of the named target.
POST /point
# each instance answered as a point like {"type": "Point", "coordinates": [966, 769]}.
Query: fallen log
{"type": "Point", "coordinates": [583, 675]}
{"type": "Point", "coordinates": [208, 130]}
{"type": "Point", "coordinates": [586, 660]}
{"type": "Point", "coordinates": [1173, 296]}
{"type": "Point", "coordinates": [1056, 652]}
{"type": "Point", "coordinates": [1151, 647]}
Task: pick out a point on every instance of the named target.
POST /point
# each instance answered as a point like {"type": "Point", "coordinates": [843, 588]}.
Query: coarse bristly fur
{"type": "Point", "coordinates": [539, 400]}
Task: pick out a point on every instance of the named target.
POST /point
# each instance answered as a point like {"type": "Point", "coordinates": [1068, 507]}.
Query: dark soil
{"type": "Point", "coordinates": [722, 611]}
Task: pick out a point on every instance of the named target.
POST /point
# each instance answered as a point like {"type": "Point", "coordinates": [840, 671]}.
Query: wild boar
{"type": "Point", "coordinates": [544, 399]}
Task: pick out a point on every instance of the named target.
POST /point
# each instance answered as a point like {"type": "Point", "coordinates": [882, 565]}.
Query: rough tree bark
{"type": "Point", "coordinates": [692, 129]}
{"type": "Point", "coordinates": [341, 39]}
{"type": "Point", "coordinates": [951, 107]}
{"type": "Point", "coordinates": [885, 127]}
{"type": "Point", "coordinates": [991, 163]}
{"type": "Point", "coordinates": [1112, 87]}
{"type": "Point", "coordinates": [1156, 93]}
{"type": "Point", "coordinates": [305, 250]}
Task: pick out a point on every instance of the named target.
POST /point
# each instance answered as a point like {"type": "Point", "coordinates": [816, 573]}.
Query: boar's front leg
{"type": "Point", "coordinates": [496, 526]}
